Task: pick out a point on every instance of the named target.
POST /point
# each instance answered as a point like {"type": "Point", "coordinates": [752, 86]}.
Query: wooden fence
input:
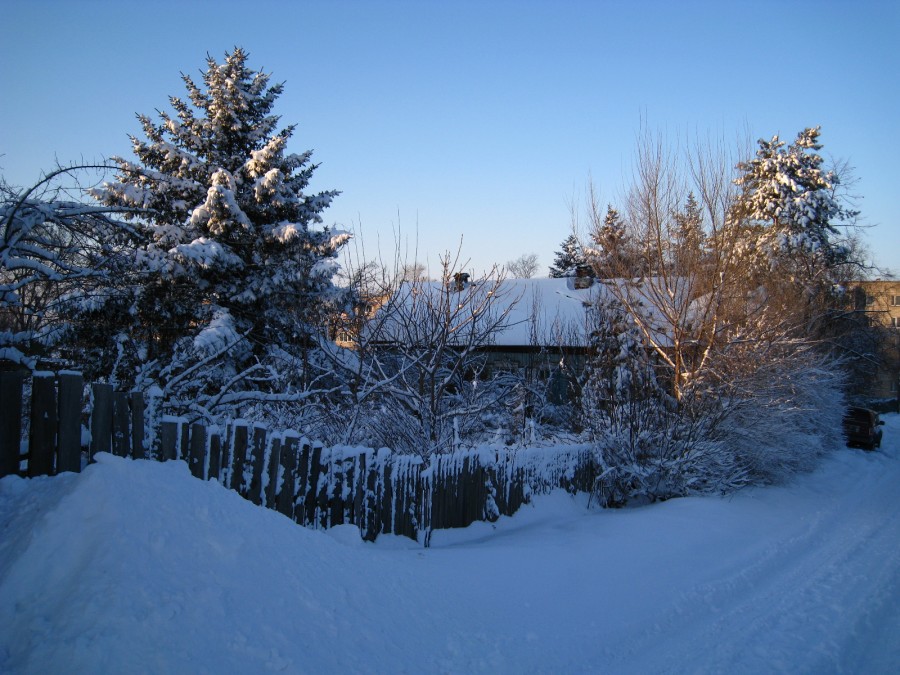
{"type": "Point", "coordinates": [318, 487]}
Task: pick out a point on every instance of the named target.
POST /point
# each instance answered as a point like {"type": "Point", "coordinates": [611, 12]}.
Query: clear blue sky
{"type": "Point", "coordinates": [480, 120]}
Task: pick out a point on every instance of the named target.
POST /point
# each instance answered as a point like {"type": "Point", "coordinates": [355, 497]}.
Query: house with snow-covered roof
{"type": "Point", "coordinates": [538, 328]}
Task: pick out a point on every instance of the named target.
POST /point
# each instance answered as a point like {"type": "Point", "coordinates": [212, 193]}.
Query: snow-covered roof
{"type": "Point", "coordinates": [553, 311]}
{"type": "Point", "coordinates": [536, 312]}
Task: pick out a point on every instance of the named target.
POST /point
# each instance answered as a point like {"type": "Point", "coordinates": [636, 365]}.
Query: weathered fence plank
{"type": "Point", "coordinates": [68, 456]}
{"type": "Point", "coordinates": [136, 403]}
{"type": "Point", "coordinates": [121, 432]}
{"type": "Point", "coordinates": [321, 499]}
{"type": "Point", "coordinates": [197, 454]}
{"type": "Point", "coordinates": [11, 388]}
{"type": "Point", "coordinates": [214, 462]}
{"type": "Point", "coordinates": [371, 522]}
{"type": "Point", "coordinates": [273, 457]}
{"type": "Point", "coordinates": [257, 462]}
{"type": "Point", "coordinates": [42, 435]}
{"type": "Point", "coordinates": [101, 419]}
{"type": "Point", "coordinates": [239, 441]}
{"type": "Point", "coordinates": [315, 469]}
{"type": "Point", "coordinates": [287, 460]}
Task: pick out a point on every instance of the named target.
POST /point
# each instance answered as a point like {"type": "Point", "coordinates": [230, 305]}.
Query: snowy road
{"type": "Point", "coordinates": [820, 594]}
{"type": "Point", "coordinates": [137, 567]}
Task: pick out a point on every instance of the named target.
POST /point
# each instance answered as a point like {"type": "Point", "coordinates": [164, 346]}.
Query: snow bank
{"type": "Point", "coordinates": [135, 566]}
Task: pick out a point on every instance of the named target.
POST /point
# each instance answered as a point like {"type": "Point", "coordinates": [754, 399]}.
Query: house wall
{"type": "Point", "coordinates": [881, 300]}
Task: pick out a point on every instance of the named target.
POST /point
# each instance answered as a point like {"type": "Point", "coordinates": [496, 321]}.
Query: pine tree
{"type": "Point", "coordinates": [568, 258]}
{"type": "Point", "coordinates": [688, 237]}
{"type": "Point", "coordinates": [789, 197]}
{"type": "Point", "coordinates": [612, 257]}
{"type": "Point", "coordinates": [236, 266]}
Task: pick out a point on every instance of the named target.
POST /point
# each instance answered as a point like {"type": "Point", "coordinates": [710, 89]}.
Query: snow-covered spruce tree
{"type": "Point", "coordinates": [648, 445]}
{"type": "Point", "coordinates": [238, 273]}
{"type": "Point", "coordinates": [568, 258]}
{"type": "Point", "coordinates": [689, 237]}
{"type": "Point", "coordinates": [789, 204]}
{"type": "Point", "coordinates": [610, 257]}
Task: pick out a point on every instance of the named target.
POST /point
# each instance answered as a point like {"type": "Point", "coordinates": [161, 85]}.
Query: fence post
{"type": "Point", "coordinates": [336, 501]}
{"type": "Point", "coordinates": [304, 465]}
{"type": "Point", "coordinates": [197, 455]}
{"type": "Point", "coordinates": [272, 465]}
{"type": "Point", "coordinates": [137, 425]}
{"type": "Point", "coordinates": [257, 462]}
{"type": "Point", "coordinates": [42, 437]}
{"type": "Point", "coordinates": [69, 435]}
{"type": "Point", "coordinates": [238, 455]}
{"type": "Point", "coordinates": [215, 454]}
{"type": "Point", "coordinates": [284, 499]}
{"type": "Point", "coordinates": [11, 382]}
{"type": "Point", "coordinates": [121, 438]}
{"type": "Point", "coordinates": [168, 431]}
{"type": "Point", "coordinates": [370, 522]}
{"type": "Point", "coordinates": [387, 497]}
{"type": "Point", "coordinates": [321, 499]}
{"type": "Point", "coordinates": [315, 468]}
{"type": "Point", "coordinates": [101, 419]}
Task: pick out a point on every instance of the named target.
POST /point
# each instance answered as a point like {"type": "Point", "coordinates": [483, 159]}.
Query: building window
{"type": "Point", "coordinates": [895, 300]}
{"type": "Point", "coordinates": [895, 322]}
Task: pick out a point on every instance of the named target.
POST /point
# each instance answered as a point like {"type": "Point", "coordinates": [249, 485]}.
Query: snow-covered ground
{"type": "Point", "coordinates": [136, 567]}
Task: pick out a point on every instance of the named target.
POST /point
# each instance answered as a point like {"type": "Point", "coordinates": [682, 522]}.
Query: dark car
{"type": "Point", "coordinates": [861, 428]}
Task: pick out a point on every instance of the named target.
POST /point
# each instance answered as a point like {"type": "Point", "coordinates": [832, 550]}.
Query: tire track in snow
{"type": "Point", "coordinates": [824, 599]}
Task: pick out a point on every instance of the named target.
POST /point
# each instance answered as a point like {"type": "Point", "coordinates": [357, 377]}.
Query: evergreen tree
{"type": "Point", "coordinates": [612, 258]}
{"type": "Point", "coordinates": [788, 198]}
{"type": "Point", "coordinates": [237, 270]}
{"type": "Point", "coordinates": [688, 237]}
{"type": "Point", "coordinates": [568, 258]}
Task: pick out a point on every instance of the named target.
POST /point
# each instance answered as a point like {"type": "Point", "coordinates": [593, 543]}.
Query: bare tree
{"type": "Point", "coordinates": [523, 267]}
{"type": "Point", "coordinates": [728, 343]}
{"type": "Point", "coordinates": [414, 378]}
{"type": "Point", "coordinates": [58, 256]}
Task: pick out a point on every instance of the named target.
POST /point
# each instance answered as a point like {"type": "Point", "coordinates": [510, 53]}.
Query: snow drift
{"type": "Point", "coordinates": [136, 566]}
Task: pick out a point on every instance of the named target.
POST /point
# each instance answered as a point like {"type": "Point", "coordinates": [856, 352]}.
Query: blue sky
{"type": "Point", "coordinates": [480, 121]}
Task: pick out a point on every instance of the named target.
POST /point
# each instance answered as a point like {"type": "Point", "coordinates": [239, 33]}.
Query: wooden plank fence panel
{"type": "Point", "coordinates": [312, 489]}
{"type": "Point", "coordinates": [197, 453]}
{"type": "Point", "coordinates": [240, 438]}
{"type": "Point", "coordinates": [301, 510]}
{"type": "Point", "coordinates": [287, 460]}
{"type": "Point", "coordinates": [336, 502]}
{"type": "Point", "coordinates": [11, 389]}
{"type": "Point", "coordinates": [69, 432]}
{"type": "Point", "coordinates": [273, 459]}
{"type": "Point", "coordinates": [121, 432]}
{"type": "Point", "coordinates": [101, 419]}
{"type": "Point", "coordinates": [42, 435]}
{"type": "Point", "coordinates": [214, 461]}
{"type": "Point", "coordinates": [387, 498]}
{"type": "Point", "coordinates": [371, 521]}
{"type": "Point", "coordinates": [318, 487]}
{"type": "Point", "coordinates": [359, 492]}
{"type": "Point", "coordinates": [322, 484]}
{"type": "Point", "coordinates": [136, 404]}
{"type": "Point", "coordinates": [256, 464]}
{"type": "Point", "coordinates": [350, 487]}
{"type": "Point", "coordinates": [168, 439]}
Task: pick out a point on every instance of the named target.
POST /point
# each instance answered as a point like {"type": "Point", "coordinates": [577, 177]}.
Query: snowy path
{"type": "Point", "coordinates": [820, 596]}
{"type": "Point", "coordinates": [137, 567]}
